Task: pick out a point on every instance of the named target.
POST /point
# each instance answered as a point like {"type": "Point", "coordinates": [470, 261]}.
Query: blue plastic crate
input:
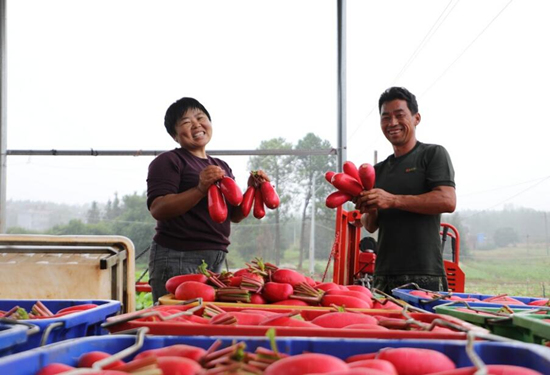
{"type": "Point", "coordinates": [51, 330]}
{"type": "Point", "coordinates": [532, 356]}
{"type": "Point", "coordinates": [11, 335]}
{"type": "Point", "coordinates": [429, 305]}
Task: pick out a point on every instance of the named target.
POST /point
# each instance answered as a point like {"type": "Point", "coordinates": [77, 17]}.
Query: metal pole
{"type": "Point", "coordinates": [312, 232]}
{"type": "Point", "coordinates": [3, 117]}
{"type": "Point", "coordinates": [342, 87]}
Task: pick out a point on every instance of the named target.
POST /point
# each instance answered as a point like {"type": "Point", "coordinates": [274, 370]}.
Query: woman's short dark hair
{"type": "Point", "coordinates": [399, 93]}
{"type": "Point", "coordinates": [177, 109]}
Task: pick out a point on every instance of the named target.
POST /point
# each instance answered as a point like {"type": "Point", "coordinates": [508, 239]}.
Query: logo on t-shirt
{"type": "Point", "coordinates": [410, 169]}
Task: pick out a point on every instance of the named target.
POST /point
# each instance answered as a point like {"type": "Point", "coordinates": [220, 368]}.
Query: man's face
{"type": "Point", "coordinates": [398, 124]}
{"type": "Point", "coordinates": [193, 130]}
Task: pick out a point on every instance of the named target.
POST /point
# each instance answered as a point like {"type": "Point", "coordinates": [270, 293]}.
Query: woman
{"type": "Point", "coordinates": [177, 186]}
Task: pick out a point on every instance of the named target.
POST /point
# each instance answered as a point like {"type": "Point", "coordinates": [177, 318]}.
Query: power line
{"type": "Point", "coordinates": [436, 25]}
{"type": "Point", "coordinates": [505, 187]}
{"type": "Point", "coordinates": [426, 39]}
{"type": "Point", "coordinates": [466, 49]}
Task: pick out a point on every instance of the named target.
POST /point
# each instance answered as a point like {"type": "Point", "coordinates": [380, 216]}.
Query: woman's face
{"type": "Point", "coordinates": [193, 130]}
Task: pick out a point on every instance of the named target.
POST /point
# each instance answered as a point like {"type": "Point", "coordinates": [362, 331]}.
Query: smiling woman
{"type": "Point", "coordinates": [177, 186]}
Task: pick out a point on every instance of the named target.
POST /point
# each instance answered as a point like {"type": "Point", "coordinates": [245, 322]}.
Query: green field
{"type": "Point", "coordinates": [516, 271]}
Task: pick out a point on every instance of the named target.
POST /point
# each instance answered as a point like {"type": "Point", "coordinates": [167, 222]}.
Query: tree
{"type": "Point", "coordinates": [279, 169]}
{"type": "Point", "coordinates": [505, 236]}
{"type": "Point", "coordinates": [308, 168]}
{"type": "Point", "coordinates": [94, 214]}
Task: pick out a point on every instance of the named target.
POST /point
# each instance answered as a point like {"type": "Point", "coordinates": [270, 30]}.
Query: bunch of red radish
{"type": "Point", "coordinates": [40, 311]}
{"type": "Point", "coordinates": [181, 359]}
{"type": "Point", "coordinates": [349, 183]}
{"type": "Point", "coordinates": [260, 195]}
{"type": "Point", "coordinates": [501, 299]}
{"type": "Point", "coordinates": [265, 283]}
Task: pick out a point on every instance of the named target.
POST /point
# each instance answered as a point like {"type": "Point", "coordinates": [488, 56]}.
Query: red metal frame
{"type": "Point", "coordinates": [346, 251]}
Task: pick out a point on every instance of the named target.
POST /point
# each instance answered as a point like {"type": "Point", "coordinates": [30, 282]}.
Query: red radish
{"type": "Point", "coordinates": [175, 281]}
{"type": "Point", "coordinates": [358, 371]}
{"type": "Point", "coordinates": [504, 300]}
{"type": "Point", "coordinates": [178, 366]}
{"type": "Point", "coordinates": [89, 358]}
{"type": "Point", "coordinates": [328, 176]}
{"type": "Point", "coordinates": [257, 299]}
{"type": "Point", "coordinates": [421, 294]}
{"type": "Point", "coordinates": [286, 321]}
{"type": "Point", "coordinates": [361, 357]}
{"type": "Point", "coordinates": [274, 292]}
{"type": "Point", "coordinates": [342, 319]}
{"type": "Point", "coordinates": [360, 288]}
{"type": "Point", "coordinates": [540, 302]}
{"type": "Point", "coordinates": [337, 198]}
{"type": "Point", "coordinates": [310, 281]}
{"type": "Point", "coordinates": [243, 272]}
{"type": "Point", "coordinates": [194, 289]}
{"type": "Point", "coordinates": [350, 169]}
{"type": "Point", "coordinates": [378, 364]}
{"type": "Point", "coordinates": [248, 200]}
{"type": "Point", "coordinates": [291, 302]}
{"type": "Point", "coordinates": [77, 308]}
{"type": "Point", "coordinates": [493, 370]}
{"type": "Point", "coordinates": [231, 191]}
{"type": "Point", "coordinates": [327, 286]}
{"type": "Point", "coordinates": [284, 275]}
{"type": "Point", "coordinates": [243, 318]}
{"type": "Point", "coordinates": [351, 293]}
{"type": "Point", "coordinates": [217, 208]}
{"type": "Point", "coordinates": [347, 184]}
{"type": "Point", "coordinates": [270, 196]}
{"type": "Point", "coordinates": [308, 363]}
{"type": "Point", "coordinates": [54, 369]}
{"type": "Point", "coordinates": [367, 175]}
{"type": "Point", "coordinates": [347, 301]}
{"type": "Point", "coordinates": [366, 326]}
{"type": "Point", "coordinates": [235, 281]}
{"type": "Point", "coordinates": [259, 206]}
{"type": "Point", "coordinates": [260, 312]}
{"type": "Point", "coordinates": [386, 305]}
{"type": "Point", "coordinates": [416, 361]}
{"type": "Point", "coordinates": [177, 350]}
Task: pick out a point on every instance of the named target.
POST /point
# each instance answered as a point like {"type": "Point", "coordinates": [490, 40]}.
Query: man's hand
{"type": "Point", "coordinates": [374, 199]}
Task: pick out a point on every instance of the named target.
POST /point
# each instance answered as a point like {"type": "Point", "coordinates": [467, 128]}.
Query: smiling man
{"type": "Point", "coordinates": [414, 186]}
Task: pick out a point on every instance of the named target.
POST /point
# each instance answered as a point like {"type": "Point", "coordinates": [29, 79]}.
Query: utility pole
{"type": "Point", "coordinates": [312, 231]}
{"type": "Point", "coordinates": [546, 232]}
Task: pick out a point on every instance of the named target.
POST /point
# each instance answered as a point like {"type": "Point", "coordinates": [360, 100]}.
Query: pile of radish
{"type": "Point", "coordinates": [265, 283]}
{"type": "Point", "coordinates": [501, 299]}
{"type": "Point", "coordinates": [260, 195]}
{"type": "Point", "coordinates": [349, 183]}
{"type": "Point", "coordinates": [181, 359]}
{"type": "Point", "coordinates": [40, 311]}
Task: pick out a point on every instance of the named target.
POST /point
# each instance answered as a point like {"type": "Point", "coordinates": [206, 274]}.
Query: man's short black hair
{"type": "Point", "coordinates": [177, 109]}
{"type": "Point", "coordinates": [398, 93]}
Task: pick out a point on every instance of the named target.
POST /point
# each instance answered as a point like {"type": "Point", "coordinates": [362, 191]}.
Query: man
{"type": "Point", "coordinates": [414, 186]}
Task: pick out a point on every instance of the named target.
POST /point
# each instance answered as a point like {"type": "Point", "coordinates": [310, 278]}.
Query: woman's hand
{"type": "Point", "coordinates": [257, 177]}
{"type": "Point", "coordinates": [208, 176]}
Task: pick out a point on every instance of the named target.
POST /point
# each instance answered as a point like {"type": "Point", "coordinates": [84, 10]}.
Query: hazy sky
{"type": "Point", "coordinates": [100, 74]}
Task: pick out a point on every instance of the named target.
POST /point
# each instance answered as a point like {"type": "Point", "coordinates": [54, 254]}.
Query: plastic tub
{"type": "Point", "coordinates": [497, 320]}
{"type": "Point", "coordinates": [419, 324]}
{"type": "Point", "coordinates": [11, 335]}
{"type": "Point", "coordinates": [535, 357]}
{"type": "Point", "coordinates": [429, 304]}
{"type": "Point", "coordinates": [78, 324]}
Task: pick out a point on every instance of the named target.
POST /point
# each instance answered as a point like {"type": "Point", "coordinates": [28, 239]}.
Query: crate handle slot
{"type": "Point", "coordinates": [32, 328]}
{"type": "Point", "coordinates": [48, 330]}
{"type": "Point", "coordinates": [140, 338]}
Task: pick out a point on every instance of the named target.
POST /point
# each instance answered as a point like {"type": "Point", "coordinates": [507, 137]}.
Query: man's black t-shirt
{"type": "Point", "coordinates": [410, 243]}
